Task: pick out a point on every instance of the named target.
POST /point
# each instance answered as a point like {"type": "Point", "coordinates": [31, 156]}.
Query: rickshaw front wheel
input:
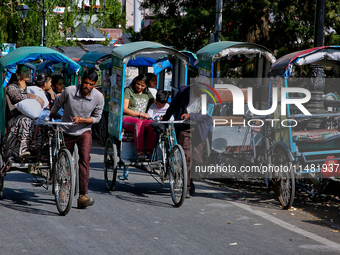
{"type": "Point", "coordinates": [64, 181]}
{"type": "Point", "coordinates": [178, 175]}
{"type": "Point", "coordinates": [284, 179]}
{"type": "Point", "coordinates": [110, 164]}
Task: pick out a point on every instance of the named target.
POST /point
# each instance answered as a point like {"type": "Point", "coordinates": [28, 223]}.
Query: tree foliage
{"type": "Point", "coordinates": [29, 33]}
{"type": "Point", "coordinates": [282, 26]}
{"type": "Point", "coordinates": [183, 24]}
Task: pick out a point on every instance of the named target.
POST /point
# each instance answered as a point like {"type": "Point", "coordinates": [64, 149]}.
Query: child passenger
{"type": "Point", "coordinates": [159, 107]}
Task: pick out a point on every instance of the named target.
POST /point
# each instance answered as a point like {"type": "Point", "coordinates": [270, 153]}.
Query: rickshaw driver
{"type": "Point", "coordinates": [82, 105]}
{"type": "Point", "coordinates": [192, 134]}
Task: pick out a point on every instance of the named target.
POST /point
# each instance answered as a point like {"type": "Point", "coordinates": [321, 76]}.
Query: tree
{"type": "Point", "coordinates": [292, 25]}
{"type": "Point", "coordinates": [29, 33]}
{"type": "Point", "coordinates": [183, 24]}
{"type": "Point", "coordinates": [111, 15]}
{"type": "Point", "coordinates": [282, 26]}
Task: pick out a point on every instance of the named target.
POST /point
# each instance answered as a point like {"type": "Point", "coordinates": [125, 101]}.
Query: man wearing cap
{"type": "Point", "coordinates": [193, 133]}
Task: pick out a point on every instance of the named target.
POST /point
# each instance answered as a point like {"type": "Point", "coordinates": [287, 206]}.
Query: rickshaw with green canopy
{"type": "Point", "coordinates": [234, 144]}
{"type": "Point", "coordinates": [168, 159]}
{"type": "Point", "coordinates": [307, 133]}
{"type": "Point", "coordinates": [105, 69]}
{"type": "Point", "coordinates": [53, 164]}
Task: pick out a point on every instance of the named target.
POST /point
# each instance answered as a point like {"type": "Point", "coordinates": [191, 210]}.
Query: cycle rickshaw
{"type": "Point", "coordinates": [234, 144]}
{"type": "Point", "coordinates": [168, 159]}
{"type": "Point", "coordinates": [308, 145]}
{"type": "Point", "coordinates": [54, 163]}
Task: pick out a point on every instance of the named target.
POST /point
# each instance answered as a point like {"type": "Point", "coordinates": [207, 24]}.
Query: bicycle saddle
{"type": "Point", "coordinates": [158, 127]}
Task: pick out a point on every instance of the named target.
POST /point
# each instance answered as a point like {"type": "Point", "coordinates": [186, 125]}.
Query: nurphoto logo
{"type": "Point", "coordinates": [239, 102]}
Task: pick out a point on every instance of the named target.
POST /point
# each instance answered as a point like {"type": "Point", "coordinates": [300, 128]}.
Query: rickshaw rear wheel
{"type": "Point", "coordinates": [64, 181]}
{"type": "Point", "coordinates": [110, 164]}
{"type": "Point", "coordinates": [75, 157]}
{"type": "Point", "coordinates": [178, 175]}
{"type": "Point", "coordinates": [285, 179]}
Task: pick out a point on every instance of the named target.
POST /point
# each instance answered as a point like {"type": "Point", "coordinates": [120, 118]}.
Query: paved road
{"type": "Point", "coordinates": [139, 218]}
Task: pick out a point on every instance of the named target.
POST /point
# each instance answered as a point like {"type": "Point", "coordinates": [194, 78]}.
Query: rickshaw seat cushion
{"type": "Point", "coordinates": [315, 135]}
{"type": "Point", "coordinates": [158, 127]}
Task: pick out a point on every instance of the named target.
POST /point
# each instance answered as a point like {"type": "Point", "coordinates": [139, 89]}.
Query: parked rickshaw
{"type": "Point", "coordinates": [54, 162]}
{"type": "Point", "coordinates": [168, 159]}
{"type": "Point", "coordinates": [308, 146]}
{"type": "Point", "coordinates": [236, 146]}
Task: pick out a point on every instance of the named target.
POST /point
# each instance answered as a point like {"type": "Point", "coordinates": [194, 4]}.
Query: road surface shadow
{"type": "Point", "coordinates": [27, 201]}
{"type": "Point", "coordinates": [255, 193]}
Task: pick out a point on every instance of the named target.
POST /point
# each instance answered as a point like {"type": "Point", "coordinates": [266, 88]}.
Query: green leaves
{"type": "Point", "coordinates": [13, 29]}
{"type": "Point", "coordinates": [282, 26]}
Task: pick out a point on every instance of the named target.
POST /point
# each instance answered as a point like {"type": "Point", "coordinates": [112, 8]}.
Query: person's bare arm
{"type": "Point", "coordinates": [78, 120]}
{"type": "Point", "coordinates": [51, 92]}
{"type": "Point", "coordinates": [132, 113]}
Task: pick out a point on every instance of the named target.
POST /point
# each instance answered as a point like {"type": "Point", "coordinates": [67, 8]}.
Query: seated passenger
{"type": "Point", "coordinates": [137, 99]}
{"type": "Point", "coordinates": [57, 85]}
{"type": "Point", "coordinates": [19, 127]}
{"type": "Point", "coordinates": [44, 82]}
{"type": "Point", "coordinates": [151, 83]}
{"type": "Point", "coordinates": [159, 107]}
{"type": "Point", "coordinates": [58, 88]}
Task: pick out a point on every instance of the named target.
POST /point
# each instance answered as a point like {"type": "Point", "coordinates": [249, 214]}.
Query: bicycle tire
{"type": "Point", "coordinates": [75, 157]}
{"type": "Point", "coordinates": [178, 175]}
{"type": "Point", "coordinates": [285, 181]}
{"type": "Point", "coordinates": [64, 181]}
{"type": "Point", "coordinates": [110, 164]}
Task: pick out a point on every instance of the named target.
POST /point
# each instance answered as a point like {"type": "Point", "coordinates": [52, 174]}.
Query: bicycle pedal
{"type": "Point", "coordinates": [37, 184]}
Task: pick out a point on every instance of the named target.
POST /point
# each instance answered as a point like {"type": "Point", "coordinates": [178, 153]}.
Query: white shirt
{"type": "Point", "coordinates": [154, 111]}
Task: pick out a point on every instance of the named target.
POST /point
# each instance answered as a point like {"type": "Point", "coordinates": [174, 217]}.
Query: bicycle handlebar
{"type": "Point", "coordinates": [44, 122]}
{"type": "Point", "coordinates": [171, 121]}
